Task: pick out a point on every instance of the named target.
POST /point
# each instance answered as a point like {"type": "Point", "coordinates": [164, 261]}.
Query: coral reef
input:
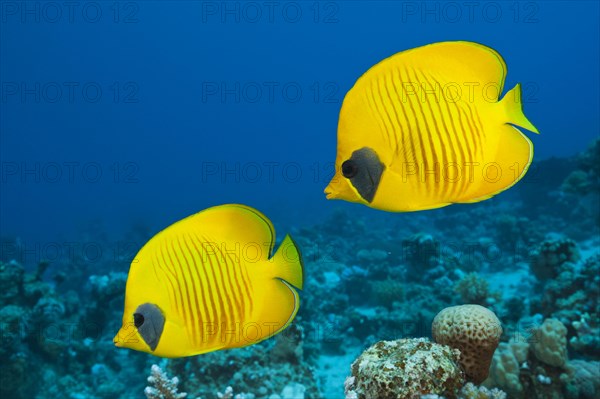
{"type": "Point", "coordinates": [24, 339]}
{"type": "Point", "coordinates": [475, 331]}
{"type": "Point", "coordinates": [583, 381]}
{"type": "Point", "coordinates": [584, 180]}
{"type": "Point", "coordinates": [471, 391]}
{"type": "Point", "coordinates": [11, 281]}
{"type": "Point", "coordinates": [586, 340]}
{"type": "Point", "coordinates": [369, 278]}
{"type": "Point", "coordinates": [403, 368]}
{"type": "Point", "coordinates": [505, 367]}
{"type": "Point", "coordinates": [573, 297]}
{"type": "Point", "coordinates": [386, 292]}
{"type": "Point", "coordinates": [551, 255]}
{"type": "Point", "coordinates": [162, 387]}
{"type": "Point", "coordinates": [538, 367]}
{"type": "Point", "coordinates": [264, 369]}
{"type": "Point", "coordinates": [474, 289]}
{"type": "Point", "coordinates": [549, 343]}
{"type": "Point", "coordinates": [421, 251]}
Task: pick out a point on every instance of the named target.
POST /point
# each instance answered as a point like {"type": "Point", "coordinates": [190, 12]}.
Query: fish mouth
{"type": "Point", "coordinates": [117, 341]}
{"type": "Point", "coordinates": [330, 193]}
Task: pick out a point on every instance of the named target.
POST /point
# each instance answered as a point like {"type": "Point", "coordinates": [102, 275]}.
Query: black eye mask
{"type": "Point", "coordinates": [150, 322]}
{"type": "Point", "coordinates": [364, 170]}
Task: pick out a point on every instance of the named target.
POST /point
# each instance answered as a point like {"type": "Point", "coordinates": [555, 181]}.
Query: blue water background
{"type": "Point", "coordinates": [158, 131]}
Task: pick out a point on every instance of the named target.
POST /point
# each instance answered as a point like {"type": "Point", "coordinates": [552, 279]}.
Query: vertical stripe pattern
{"type": "Point", "coordinates": [209, 286]}
{"type": "Point", "coordinates": [441, 136]}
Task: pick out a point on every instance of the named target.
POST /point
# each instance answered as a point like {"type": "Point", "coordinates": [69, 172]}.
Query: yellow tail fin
{"type": "Point", "coordinates": [514, 109]}
{"type": "Point", "coordinates": [283, 279]}
{"type": "Point", "coordinates": [287, 263]}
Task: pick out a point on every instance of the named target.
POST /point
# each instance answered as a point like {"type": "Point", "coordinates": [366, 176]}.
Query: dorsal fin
{"type": "Point", "coordinates": [471, 66]}
{"type": "Point", "coordinates": [230, 225]}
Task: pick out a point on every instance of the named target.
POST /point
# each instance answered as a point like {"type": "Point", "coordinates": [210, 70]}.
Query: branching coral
{"type": "Point", "coordinates": [227, 394]}
{"type": "Point", "coordinates": [574, 291]}
{"type": "Point", "coordinates": [162, 387]}
{"type": "Point", "coordinates": [471, 391]}
{"type": "Point", "coordinates": [474, 289]}
{"type": "Point", "coordinates": [587, 340]}
{"type": "Point", "coordinates": [550, 255]}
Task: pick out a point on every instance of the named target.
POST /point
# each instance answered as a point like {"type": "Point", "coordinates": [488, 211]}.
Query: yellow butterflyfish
{"type": "Point", "coordinates": [425, 128]}
{"type": "Point", "coordinates": [210, 282]}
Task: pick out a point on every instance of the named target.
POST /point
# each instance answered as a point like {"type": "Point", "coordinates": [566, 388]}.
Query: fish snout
{"type": "Point", "coordinates": [124, 335]}
{"type": "Point", "coordinates": [117, 341]}
{"type": "Point", "coordinates": [330, 193]}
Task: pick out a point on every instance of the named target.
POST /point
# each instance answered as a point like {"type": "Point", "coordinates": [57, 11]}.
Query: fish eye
{"type": "Point", "coordinates": [349, 169]}
{"type": "Point", "coordinates": [138, 319]}
{"type": "Point", "coordinates": [150, 322]}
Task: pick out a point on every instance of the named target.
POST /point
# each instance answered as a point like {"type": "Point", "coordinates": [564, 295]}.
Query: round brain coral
{"type": "Point", "coordinates": [405, 369]}
{"type": "Point", "coordinates": [475, 331]}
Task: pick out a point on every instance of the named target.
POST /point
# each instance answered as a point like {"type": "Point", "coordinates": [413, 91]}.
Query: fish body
{"type": "Point", "coordinates": [210, 282]}
{"type": "Point", "coordinates": [425, 128]}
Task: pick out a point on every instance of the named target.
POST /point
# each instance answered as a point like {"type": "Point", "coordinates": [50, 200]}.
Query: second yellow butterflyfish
{"type": "Point", "coordinates": [209, 282]}
{"type": "Point", "coordinates": [425, 128]}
